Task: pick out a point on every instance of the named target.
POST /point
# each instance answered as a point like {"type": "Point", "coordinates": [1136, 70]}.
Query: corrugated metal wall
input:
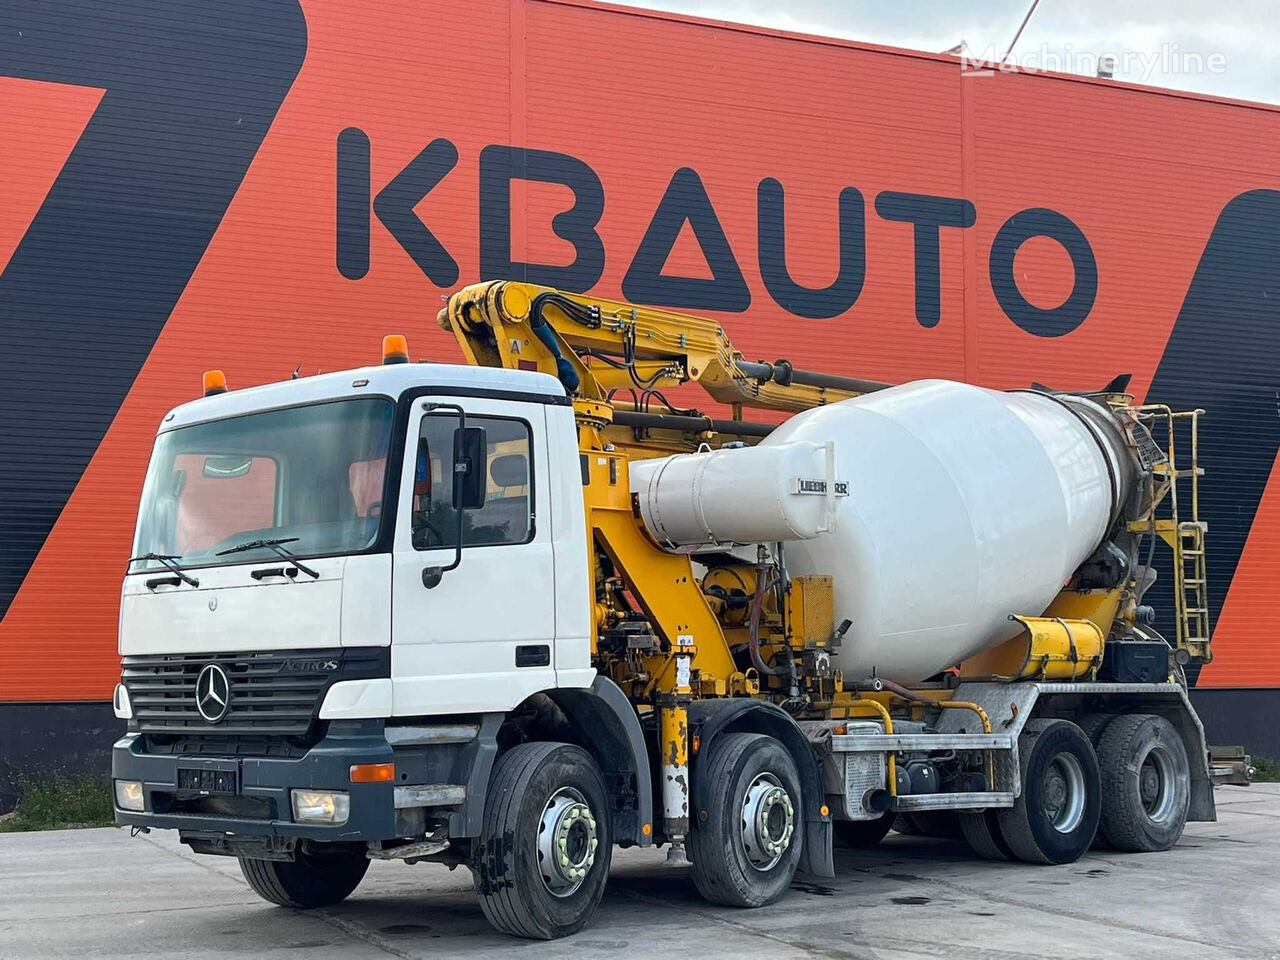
{"type": "Point", "coordinates": [171, 204]}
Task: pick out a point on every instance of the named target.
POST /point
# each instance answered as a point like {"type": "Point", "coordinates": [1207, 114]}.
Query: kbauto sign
{"type": "Point", "coordinates": [258, 183]}
{"type": "Point", "coordinates": [686, 203]}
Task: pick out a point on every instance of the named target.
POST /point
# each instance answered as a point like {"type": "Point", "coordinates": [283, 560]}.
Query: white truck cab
{"type": "Point", "coordinates": [341, 586]}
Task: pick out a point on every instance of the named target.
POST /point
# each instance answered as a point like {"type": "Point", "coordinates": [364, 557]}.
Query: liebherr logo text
{"type": "Point", "coordinates": [686, 200]}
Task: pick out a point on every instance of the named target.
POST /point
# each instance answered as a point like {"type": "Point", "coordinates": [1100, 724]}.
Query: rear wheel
{"type": "Point", "coordinates": [1056, 816]}
{"type": "Point", "coordinates": [319, 877]}
{"type": "Point", "coordinates": [542, 859]}
{"type": "Point", "coordinates": [1146, 783]}
{"type": "Point", "coordinates": [942, 824]}
{"type": "Point", "coordinates": [1095, 725]}
{"type": "Point", "coordinates": [747, 850]}
{"type": "Point", "coordinates": [981, 831]}
{"type": "Point", "coordinates": [862, 834]}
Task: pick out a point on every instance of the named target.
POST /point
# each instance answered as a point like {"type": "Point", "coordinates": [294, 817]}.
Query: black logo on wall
{"type": "Point", "coordinates": [686, 201]}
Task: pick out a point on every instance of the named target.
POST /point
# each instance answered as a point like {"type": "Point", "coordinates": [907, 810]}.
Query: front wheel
{"type": "Point", "coordinates": [543, 855]}
{"type": "Point", "coordinates": [747, 850]}
{"type": "Point", "coordinates": [320, 877]}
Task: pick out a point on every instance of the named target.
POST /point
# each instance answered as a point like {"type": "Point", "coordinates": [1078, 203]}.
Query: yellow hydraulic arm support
{"type": "Point", "coordinates": [596, 347]}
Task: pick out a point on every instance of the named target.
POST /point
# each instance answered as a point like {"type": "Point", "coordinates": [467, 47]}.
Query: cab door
{"type": "Point", "coordinates": [479, 637]}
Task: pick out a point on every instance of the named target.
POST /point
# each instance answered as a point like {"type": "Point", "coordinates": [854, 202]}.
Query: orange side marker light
{"type": "Point", "coordinates": [373, 772]}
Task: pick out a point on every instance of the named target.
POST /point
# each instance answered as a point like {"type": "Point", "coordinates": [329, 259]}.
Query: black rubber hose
{"type": "Point", "coordinates": [669, 421]}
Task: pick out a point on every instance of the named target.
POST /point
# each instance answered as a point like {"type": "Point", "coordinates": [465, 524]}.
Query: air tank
{"type": "Point", "coordinates": [964, 505]}
{"type": "Point", "coordinates": [954, 507]}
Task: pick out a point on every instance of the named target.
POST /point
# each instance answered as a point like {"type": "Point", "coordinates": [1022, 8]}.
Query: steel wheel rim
{"type": "Point", "coordinates": [1156, 779]}
{"type": "Point", "coordinates": [767, 821]}
{"type": "Point", "coordinates": [1062, 792]}
{"type": "Point", "coordinates": [567, 842]}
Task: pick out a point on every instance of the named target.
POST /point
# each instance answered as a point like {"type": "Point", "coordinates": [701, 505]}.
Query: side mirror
{"type": "Point", "coordinates": [470, 449]}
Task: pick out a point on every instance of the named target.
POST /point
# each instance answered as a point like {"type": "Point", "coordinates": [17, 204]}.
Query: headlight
{"type": "Point", "coordinates": [129, 795]}
{"type": "Point", "coordinates": [320, 806]}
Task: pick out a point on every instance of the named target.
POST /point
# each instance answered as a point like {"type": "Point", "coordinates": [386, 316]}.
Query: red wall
{"type": "Point", "coordinates": [636, 96]}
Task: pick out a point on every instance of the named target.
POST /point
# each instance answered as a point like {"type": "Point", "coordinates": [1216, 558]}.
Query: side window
{"type": "Point", "coordinates": [220, 496]}
{"type": "Point", "coordinates": [507, 514]}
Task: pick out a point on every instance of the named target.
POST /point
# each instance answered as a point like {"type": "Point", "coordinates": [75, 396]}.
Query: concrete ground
{"type": "Point", "coordinates": [98, 893]}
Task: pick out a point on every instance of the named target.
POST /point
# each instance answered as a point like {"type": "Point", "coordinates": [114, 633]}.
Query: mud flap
{"type": "Point", "coordinates": [817, 858]}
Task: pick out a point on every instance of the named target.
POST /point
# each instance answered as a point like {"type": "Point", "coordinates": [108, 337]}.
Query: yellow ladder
{"type": "Point", "coordinates": [1185, 537]}
{"type": "Point", "coordinates": [1193, 612]}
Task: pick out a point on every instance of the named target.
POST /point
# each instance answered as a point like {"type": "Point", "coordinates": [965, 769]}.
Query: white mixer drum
{"type": "Point", "coordinates": [965, 505]}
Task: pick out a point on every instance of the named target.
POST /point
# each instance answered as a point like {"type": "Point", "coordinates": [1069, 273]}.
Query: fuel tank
{"type": "Point", "coordinates": [964, 505]}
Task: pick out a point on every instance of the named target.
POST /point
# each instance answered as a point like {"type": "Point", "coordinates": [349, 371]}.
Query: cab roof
{"type": "Point", "coordinates": [391, 380]}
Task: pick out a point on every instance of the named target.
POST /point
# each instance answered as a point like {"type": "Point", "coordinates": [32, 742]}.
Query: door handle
{"type": "Point", "coordinates": [533, 655]}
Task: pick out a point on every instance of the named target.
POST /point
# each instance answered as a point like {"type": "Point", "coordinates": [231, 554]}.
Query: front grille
{"type": "Point", "coordinates": [275, 693]}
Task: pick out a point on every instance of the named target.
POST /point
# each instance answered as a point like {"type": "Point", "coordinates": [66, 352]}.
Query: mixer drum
{"type": "Point", "coordinates": [965, 505]}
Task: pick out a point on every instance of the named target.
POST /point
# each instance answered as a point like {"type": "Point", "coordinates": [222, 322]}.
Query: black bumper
{"type": "Point", "coordinates": [265, 783]}
{"type": "Point", "coordinates": [259, 806]}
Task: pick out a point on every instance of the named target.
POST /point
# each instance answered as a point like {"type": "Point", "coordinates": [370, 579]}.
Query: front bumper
{"type": "Point", "coordinates": [261, 805]}
{"type": "Point", "coordinates": [441, 776]}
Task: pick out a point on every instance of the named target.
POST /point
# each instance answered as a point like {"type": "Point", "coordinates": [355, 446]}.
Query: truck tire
{"type": "Point", "coordinates": [862, 834]}
{"type": "Point", "coordinates": [906, 826]}
{"type": "Point", "coordinates": [747, 850]}
{"type": "Point", "coordinates": [1094, 725]}
{"type": "Point", "coordinates": [1056, 815]}
{"type": "Point", "coordinates": [981, 831]}
{"type": "Point", "coordinates": [1146, 784]}
{"type": "Point", "coordinates": [542, 859]}
{"type": "Point", "coordinates": [316, 878]}
{"type": "Point", "coordinates": [941, 824]}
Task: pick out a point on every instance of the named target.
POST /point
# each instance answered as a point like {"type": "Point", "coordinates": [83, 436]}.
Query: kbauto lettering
{"type": "Point", "coordinates": [686, 201]}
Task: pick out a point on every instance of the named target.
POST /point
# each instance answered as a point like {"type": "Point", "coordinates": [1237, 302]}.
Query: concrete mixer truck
{"type": "Point", "coordinates": [511, 614]}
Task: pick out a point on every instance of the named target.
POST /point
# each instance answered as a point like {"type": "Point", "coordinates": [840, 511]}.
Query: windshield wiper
{"type": "Point", "coordinates": [275, 547]}
{"type": "Point", "coordinates": [166, 560]}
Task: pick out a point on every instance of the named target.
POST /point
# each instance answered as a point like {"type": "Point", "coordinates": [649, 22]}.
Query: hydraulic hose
{"type": "Point", "coordinates": [784, 374]}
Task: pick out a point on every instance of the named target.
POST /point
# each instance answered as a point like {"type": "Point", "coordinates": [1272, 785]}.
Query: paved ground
{"type": "Point", "coordinates": [98, 893]}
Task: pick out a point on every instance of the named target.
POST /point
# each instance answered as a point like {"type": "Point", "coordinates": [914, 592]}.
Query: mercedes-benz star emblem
{"type": "Point", "coordinates": [213, 693]}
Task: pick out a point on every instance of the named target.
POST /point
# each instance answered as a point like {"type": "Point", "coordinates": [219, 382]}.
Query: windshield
{"type": "Point", "coordinates": [314, 473]}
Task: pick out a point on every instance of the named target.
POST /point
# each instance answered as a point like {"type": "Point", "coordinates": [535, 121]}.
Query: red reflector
{"type": "Point", "coordinates": [527, 365]}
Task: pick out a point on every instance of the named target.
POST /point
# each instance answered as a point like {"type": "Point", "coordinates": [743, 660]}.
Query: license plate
{"type": "Point", "coordinates": [207, 782]}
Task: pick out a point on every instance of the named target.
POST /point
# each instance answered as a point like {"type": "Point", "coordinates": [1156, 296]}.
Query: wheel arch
{"type": "Point", "coordinates": [710, 718]}
{"type": "Point", "coordinates": [607, 727]}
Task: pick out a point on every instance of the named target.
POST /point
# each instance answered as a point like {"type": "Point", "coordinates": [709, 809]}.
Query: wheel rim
{"type": "Point", "coordinates": [1156, 779]}
{"type": "Point", "coordinates": [1062, 792]}
{"type": "Point", "coordinates": [768, 821]}
{"type": "Point", "coordinates": [567, 842]}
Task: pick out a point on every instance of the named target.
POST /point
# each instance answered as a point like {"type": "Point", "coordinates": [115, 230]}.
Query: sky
{"type": "Point", "coordinates": [1228, 48]}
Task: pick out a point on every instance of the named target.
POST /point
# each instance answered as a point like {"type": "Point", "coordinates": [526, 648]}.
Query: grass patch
{"type": "Point", "coordinates": [60, 803]}
{"type": "Point", "coordinates": [1266, 770]}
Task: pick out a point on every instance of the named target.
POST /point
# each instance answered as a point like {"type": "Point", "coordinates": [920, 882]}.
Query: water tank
{"type": "Point", "coordinates": [964, 505]}
{"type": "Point", "coordinates": [737, 495]}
